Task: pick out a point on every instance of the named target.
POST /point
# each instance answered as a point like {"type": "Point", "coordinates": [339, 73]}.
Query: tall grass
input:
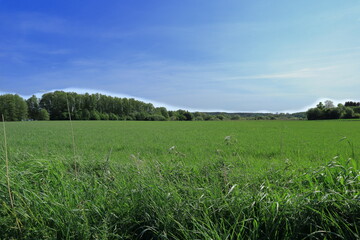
{"type": "Point", "coordinates": [171, 200]}
{"type": "Point", "coordinates": [173, 195]}
{"type": "Point", "coordinates": [7, 165]}
{"type": "Point", "coordinates": [7, 175]}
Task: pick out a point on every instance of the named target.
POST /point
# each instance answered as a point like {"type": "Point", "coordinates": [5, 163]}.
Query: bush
{"type": "Point", "coordinates": [44, 115]}
{"type": "Point", "coordinates": [235, 117]}
{"type": "Point", "coordinates": [314, 114]}
{"type": "Point", "coordinates": [155, 117]}
{"type": "Point", "coordinates": [113, 116]}
{"type": "Point", "coordinates": [349, 112]}
{"type": "Point", "coordinates": [94, 115]}
{"type": "Point", "coordinates": [104, 116]}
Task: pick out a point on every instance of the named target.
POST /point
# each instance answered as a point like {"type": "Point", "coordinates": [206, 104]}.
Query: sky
{"type": "Point", "coordinates": [199, 55]}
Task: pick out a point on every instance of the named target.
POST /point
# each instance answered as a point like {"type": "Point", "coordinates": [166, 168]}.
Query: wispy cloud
{"type": "Point", "coordinates": [299, 74]}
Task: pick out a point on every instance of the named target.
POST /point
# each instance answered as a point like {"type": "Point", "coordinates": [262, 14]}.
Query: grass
{"type": "Point", "coordinates": [182, 180]}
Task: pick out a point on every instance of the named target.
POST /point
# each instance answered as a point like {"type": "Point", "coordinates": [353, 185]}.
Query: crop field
{"type": "Point", "coordinates": [180, 180]}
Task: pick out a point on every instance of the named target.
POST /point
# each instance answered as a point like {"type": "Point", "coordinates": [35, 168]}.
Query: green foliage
{"type": "Point", "coordinates": [352, 104]}
{"type": "Point", "coordinates": [113, 116]}
{"type": "Point", "coordinates": [320, 106]}
{"type": "Point", "coordinates": [235, 117]}
{"type": "Point", "coordinates": [86, 114]}
{"type": "Point", "coordinates": [221, 117]}
{"type": "Point", "coordinates": [162, 111]}
{"type": "Point", "coordinates": [92, 107]}
{"type": "Point", "coordinates": [356, 109]}
{"type": "Point", "coordinates": [43, 115]}
{"type": "Point", "coordinates": [207, 117]}
{"type": "Point", "coordinates": [333, 113]}
{"type": "Point", "coordinates": [253, 116]}
{"type": "Point", "coordinates": [13, 107]}
{"type": "Point", "coordinates": [182, 115]}
{"type": "Point", "coordinates": [62, 105]}
{"type": "Point", "coordinates": [33, 107]}
{"type": "Point", "coordinates": [94, 115]}
{"type": "Point", "coordinates": [348, 113]}
{"type": "Point", "coordinates": [140, 116]}
{"type": "Point", "coordinates": [155, 117]}
{"type": "Point", "coordinates": [104, 116]}
{"type": "Point", "coordinates": [328, 111]}
{"type": "Point", "coordinates": [314, 114]}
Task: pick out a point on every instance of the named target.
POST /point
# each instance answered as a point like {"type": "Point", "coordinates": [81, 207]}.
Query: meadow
{"type": "Point", "coordinates": [180, 180]}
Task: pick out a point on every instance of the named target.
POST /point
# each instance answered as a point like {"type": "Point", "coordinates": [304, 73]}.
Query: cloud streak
{"type": "Point", "coordinates": [299, 74]}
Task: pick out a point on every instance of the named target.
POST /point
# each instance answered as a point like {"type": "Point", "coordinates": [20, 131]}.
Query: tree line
{"type": "Point", "coordinates": [327, 110]}
{"type": "Point", "coordinates": [60, 105]}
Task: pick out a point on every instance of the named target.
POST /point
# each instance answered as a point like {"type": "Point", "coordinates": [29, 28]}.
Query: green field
{"type": "Point", "coordinates": [181, 180]}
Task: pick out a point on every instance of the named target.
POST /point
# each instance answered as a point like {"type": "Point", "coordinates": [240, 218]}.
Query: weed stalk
{"type": "Point", "coordinates": [72, 134]}
{"type": "Point", "coordinates": [12, 205]}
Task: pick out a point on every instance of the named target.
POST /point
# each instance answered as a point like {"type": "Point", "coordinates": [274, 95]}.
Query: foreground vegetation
{"type": "Point", "coordinates": [181, 180]}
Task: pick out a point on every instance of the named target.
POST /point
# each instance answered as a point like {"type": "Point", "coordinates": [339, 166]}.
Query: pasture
{"type": "Point", "coordinates": [180, 180]}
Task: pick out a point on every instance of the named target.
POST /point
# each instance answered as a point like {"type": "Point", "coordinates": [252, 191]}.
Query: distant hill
{"type": "Point", "coordinates": [265, 116]}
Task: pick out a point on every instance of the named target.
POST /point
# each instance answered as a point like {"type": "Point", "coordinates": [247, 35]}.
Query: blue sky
{"type": "Point", "coordinates": [206, 55]}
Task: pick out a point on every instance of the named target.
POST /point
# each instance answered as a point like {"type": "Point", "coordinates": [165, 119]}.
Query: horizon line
{"type": "Point", "coordinates": [172, 107]}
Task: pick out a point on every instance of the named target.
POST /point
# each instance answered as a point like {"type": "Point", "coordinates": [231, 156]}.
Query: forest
{"type": "Point", "coordinates": [60, 105]}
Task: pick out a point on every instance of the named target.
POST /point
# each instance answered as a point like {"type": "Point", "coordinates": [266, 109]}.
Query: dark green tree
{"type": "Point", "coordinates": [314, 114]}
{"type": "Point", "coordinates": [33, 107]}
{"type": "Point", "coordinates": [13, 107]}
